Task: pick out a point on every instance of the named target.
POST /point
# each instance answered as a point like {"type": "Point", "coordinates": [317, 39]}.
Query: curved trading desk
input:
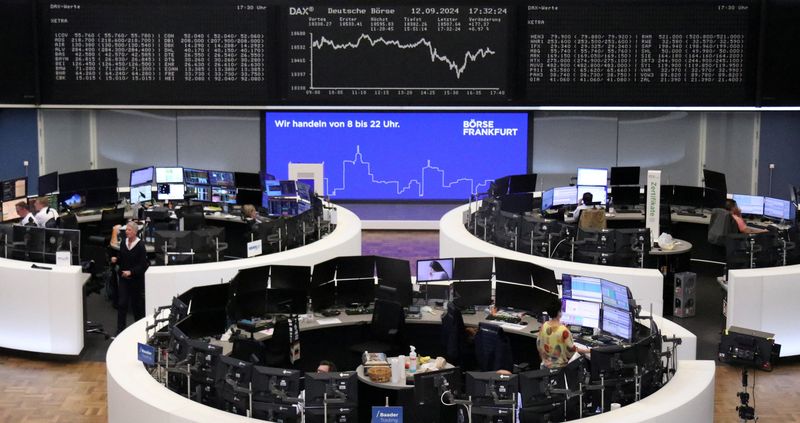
{"type": "Point", "coordinates": [164, 282]}
{"type": "Point", "coordinates": [41, 310]}
{"type": "Point", "coordinates": [456, 241]}
{"type": "Point", "coordinates": [135, 396]}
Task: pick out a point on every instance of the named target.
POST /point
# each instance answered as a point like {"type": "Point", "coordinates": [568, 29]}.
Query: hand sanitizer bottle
{"type": "Point", "coordinates": [412, 360]}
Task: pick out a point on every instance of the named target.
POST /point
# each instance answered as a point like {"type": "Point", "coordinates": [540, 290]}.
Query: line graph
{"type": "Point", "coordinates": [434, 52]}
{"type": "Point", "coordinates": [399, 54]}
{"type": "Point", "coordinates": [421, 183]}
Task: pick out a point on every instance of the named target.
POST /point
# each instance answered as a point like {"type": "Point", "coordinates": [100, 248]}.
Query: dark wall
{"type": "Point", "coordinates": [779, 144]}
{"type": "Point", "coordinates": [18, 142]}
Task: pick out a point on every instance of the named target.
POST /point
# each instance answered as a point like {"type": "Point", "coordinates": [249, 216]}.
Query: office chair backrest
{"type": "Point", "coordinates": [453, 335]}
{"type": "Point", "coordinates": [720, 226]}
{"type": "Point", "coordinates": [592, 219]}
{"type": "Point", "coordinates": [492, 348]}
{"type": "Point", "coordinates": [68, 221]}
{"type": "Point", "coordinates": [193, 221]}
{"type": "Point", "coordinates": [109, 218]}
{"type": "Point", "coordinates": [388, 321]}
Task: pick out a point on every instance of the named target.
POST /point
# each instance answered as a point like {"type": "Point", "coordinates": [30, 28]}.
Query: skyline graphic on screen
{"type": "Point", "coordinates": [399, 156]}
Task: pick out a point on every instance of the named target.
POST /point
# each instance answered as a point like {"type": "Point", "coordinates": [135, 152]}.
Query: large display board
{"type": "Point", "coordinates": [781, 52]}
{"type": "Point", "coordinates": [17, 52]}
{"type": "Point", "coordinates": [642, 52]}
{"type": "Point", "coordinates": [399, 156]}
{"type": "Point", "coordinates": [154, 52]}
{"type": "Point", "coordinates": [358, 52]}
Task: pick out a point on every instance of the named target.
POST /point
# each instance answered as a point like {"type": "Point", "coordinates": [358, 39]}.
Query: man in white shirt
{"type": "Point", "coordinates": [583, 205]}
{"type": "Point", "coordinates": [44, 212]}
{"type": "Point", "coordinates": [26, 217]}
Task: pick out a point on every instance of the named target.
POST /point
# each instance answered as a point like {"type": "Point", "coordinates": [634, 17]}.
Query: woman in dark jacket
{"type": "Point", "coordinates": [132, 261]}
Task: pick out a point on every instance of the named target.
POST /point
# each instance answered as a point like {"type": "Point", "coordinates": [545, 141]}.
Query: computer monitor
{"type": "Point", "coordinates": [779, 209]}
{"type": "Point", "coordinates": [247, 180]}
{"type": "Point", "coordinates": [10, 210]}
{"type": "Point", "coordinates": [202, 324]}
{"type": "Point", "coordinates": [592, 177]}
{"type": "Point", "coordinates": [304, 191]}
{"type": "Point", "coordinates": [169, 175]}
{"type": "Point", "coordinates": [248, 196]}
{"type": "Point", "coordinates": [195, 176]}
{"type": "Point", "coordinates": [544, 278]}
{"type": "Point", "coordinates": [615, 295]}
{"type": "Point", "coordinates": [141, 194]}
{"type": "Point", "coordinates": [434, 270]}
{"type": "Point", "coordinates": [355, 267]}
{"type": "Point", "coordinates": [48, 184]}
{"type": "Point", "coordinates": [205, 298]}
{"type": "Point", "coordinates": [687, 196]}
{"type": "Point", "coordinates": [583, 288]}
{"type": "Point", "coordinates": [599, 194]}
{"type": "Point", "coordinates": [713, 199]}
{"type": "Point", "coordinates": [235, 371]}
{"type": "Point", "coordinates": [518, 203]}
{"type": "Point", "coordinates": [522, 183]}
{"type": "Point", "coordinates": [221, 179]}
{"type": "Point", "coordinates": [625, 175]}
{"type": "Point", "coordinates": [289, 277]}
{"type": "Point", "coordinates": [15, 188]}
{"type": "Point", "coordinates": [534, 388]}
{"type": "Point", "coordinates": [750, 204]}
{"type": "Point", "coordinates": [628, 196]}
{"type": "Point", "coordinates": [581, 313]}
{"type": "Point", "coordinates": [617, 322]}
{"type": "Point", "coordinates": [547, 199]}
{"type": "Point", "coordinates": [471, 294]}
{"type": "Point", "coordinates": [284, 413]}
{"type": "Point", "coordinates": [272, 188]}
{"type": "Point", "coordinates": [515, 271]}
{"type": "Point", "coordinates": [715, 180]}
{"type": "Point", "coordinates": [564, 196]}
{"type": "Point", "coordinates": [29, 243]}
{"type": "Point", "coordinates": [394, 280]}
{"type": "Point", "coordinates": [500, 186]}
{"type": "Point", "coordinates": [141, 176]}
{"type": "Point", "coordinates": [248, 293]}
{"type": "Point", "coordinates": [72, 199]}
{"type": "Point", "coordinates": [521, 297]}
{"type": "Point", "coordinates": [63, 240]}
{"type": "Point", "coordinates": [492, 389]}
{"type": "Point", "coordinates": [223, 195]}
{"type": "Point", "coordinates": [429, 390]}
{"type": "Point", "coordinates": [170, 191]}
{"type": "Point", "coordinates": [473, 268]}
{"type": "Point", "coordinates": [355, 291]}
{"type": "Point", "coordinates": [275, 385]}
{"type": "Point", "coordinates": [341, 386]}
{"type": "Point", "coordinates": [101, 197]}
{"type": "Point", "coordinates": [202, 192]}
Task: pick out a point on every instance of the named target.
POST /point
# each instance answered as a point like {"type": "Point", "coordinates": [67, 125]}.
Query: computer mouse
{"type": "Point", "coordinates": [523, 323]}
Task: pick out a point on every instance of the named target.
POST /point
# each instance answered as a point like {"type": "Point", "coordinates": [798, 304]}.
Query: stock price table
{"type": "Point", "coordinates": [642, 52]}
{"type": "Point", "coordinates": [398, 54]}
{"type": "Point", "coordinates": [154, 52]}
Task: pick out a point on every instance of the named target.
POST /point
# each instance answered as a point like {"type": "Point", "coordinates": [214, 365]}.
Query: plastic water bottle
{"type": "Point", "coordinates": [309, 311]}
{"type": "Point", "coordinates": [412, 360]}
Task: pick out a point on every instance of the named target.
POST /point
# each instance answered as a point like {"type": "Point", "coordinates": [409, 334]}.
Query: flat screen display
{"type": "Point", "coordinates": [399, 156]}
{"type": "Point", "coordinates": [141, 176]}
{"type": "Point", "coordinates": [588, 176]}
{"type": "Point", "coordinates": [221, 179]}
{"type": "Point", "coordinates": [434, 270]}
{"type": "Point", "coordinates": [195, 176]}
{"type": "Point", "coordinates": [547, 199]}
{"type": "Point", "coordinates": [170, 191]}
{"type": "Point", "coordinates": [15, 188]}
{"type": "Point", "coordinates": [10, 210]}
{"type": "Point", "coordinates": [615, 295]}
{"type": "Point", "coordinates": [223, 195]}
{"type": "Point", "coordinates": [563, 196]}
{"type": "Point", "coordinates": [599, 194]}
{"type": "Point", "coordinates": [617, 322]}
{"type": "Point", "coordinates": [48, 184]}
{"type": "Point", "coordinates": [203, 192]}
{"type": "Point", "coordinates": [581, 313]}
{"type": "Point", "coordinates": [169, 175]}
{"type": "Point", "coordinates": [750, 204]}
{"type": "Point", "coordinates": [272, 188]}
{"type": "Point", "coordinates": [625, 175]}
{"type": "Point", "coordinates": [779, 209]}
{"type": "Point", "coordinates": [141, 193]}
{"type": "Point", "coordinates": [582, 288]}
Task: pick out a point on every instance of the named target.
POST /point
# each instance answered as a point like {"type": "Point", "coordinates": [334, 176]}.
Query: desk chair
{"type": "Point", "coordinates": [68, 221]}
{"type": "Point", "coordinates": [492, 348]}
{"type": "Point", "coordinates": [193, 221]}
{"type": "Point", "coordinates": [385, 331]}
{"type": "Point", "coordinates": [592, 219]}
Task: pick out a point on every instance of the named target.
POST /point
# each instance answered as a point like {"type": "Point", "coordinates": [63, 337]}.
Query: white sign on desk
{"type": "Point", "coordinates": [63, 258]}
{"type": "Point", "coordinates": [653, 202]}
{"type": "Point", "coordinates": [254, 248]}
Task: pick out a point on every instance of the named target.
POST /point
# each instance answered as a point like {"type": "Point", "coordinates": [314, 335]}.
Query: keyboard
{"type": "Point", "coordinates": [690, 213]}
{"type": "Point", "coordinates": [504, 318]}
{"type": "Point", "coordinates": [603, 339]}
{"type": "Point", "coordinates": [358, 311]}
{"type": "Point", "coordinates": [627, 211]}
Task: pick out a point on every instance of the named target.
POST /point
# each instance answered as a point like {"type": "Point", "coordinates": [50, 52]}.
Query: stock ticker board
{"type": "Point", "coordinates": [154, 52]}
{"type": "Point", "coordinates": [398, 53]}
{"type": "Point", "coordinates": [642, 52]}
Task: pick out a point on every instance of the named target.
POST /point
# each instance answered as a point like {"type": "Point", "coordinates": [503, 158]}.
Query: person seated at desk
{"type": "Point", "coordinates": [24, 212]}
{"type": "Point", "coordinates": [554, 341]}
{"type": "Point", "coordinates": [44, 213]}
{"type": "Point", "coordinates": [584, 204]}
{"type": "Point", "coordinates": [251, 214]}
{"type": "Point", "coordinates": [736, 213]}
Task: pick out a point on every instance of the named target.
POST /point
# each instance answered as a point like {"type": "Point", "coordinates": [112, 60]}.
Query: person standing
{"type": "Point", "coordinates": [133, 264]}
{"type": "Point", "coordinates": [554, 341]}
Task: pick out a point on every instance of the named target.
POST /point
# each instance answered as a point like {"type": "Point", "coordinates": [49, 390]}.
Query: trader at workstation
{"type": "Point", "coordinates": [554, 341]}
{"type": "Point", "coordinates": [24, 212]}
{"type": "Point", "coordinates": [584, 204]}
{"type": "Point", "coordinates": [44, 213]}
{"type": "Point", "coordinates": [251, 214]}
{"type": "Point", "coordinates": [133, 264]}
{"type": "Point", "coordinates": [736, 213]}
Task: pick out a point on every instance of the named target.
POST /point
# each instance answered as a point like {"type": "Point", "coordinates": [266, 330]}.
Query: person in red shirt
{"type": "Point", "coordinates": [736, 213]}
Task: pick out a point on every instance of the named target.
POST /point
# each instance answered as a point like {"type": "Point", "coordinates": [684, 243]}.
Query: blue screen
{"type": "Point", "coordinates": [615, 295]}
{"type": "Point", "coordinates": [399, 156]}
